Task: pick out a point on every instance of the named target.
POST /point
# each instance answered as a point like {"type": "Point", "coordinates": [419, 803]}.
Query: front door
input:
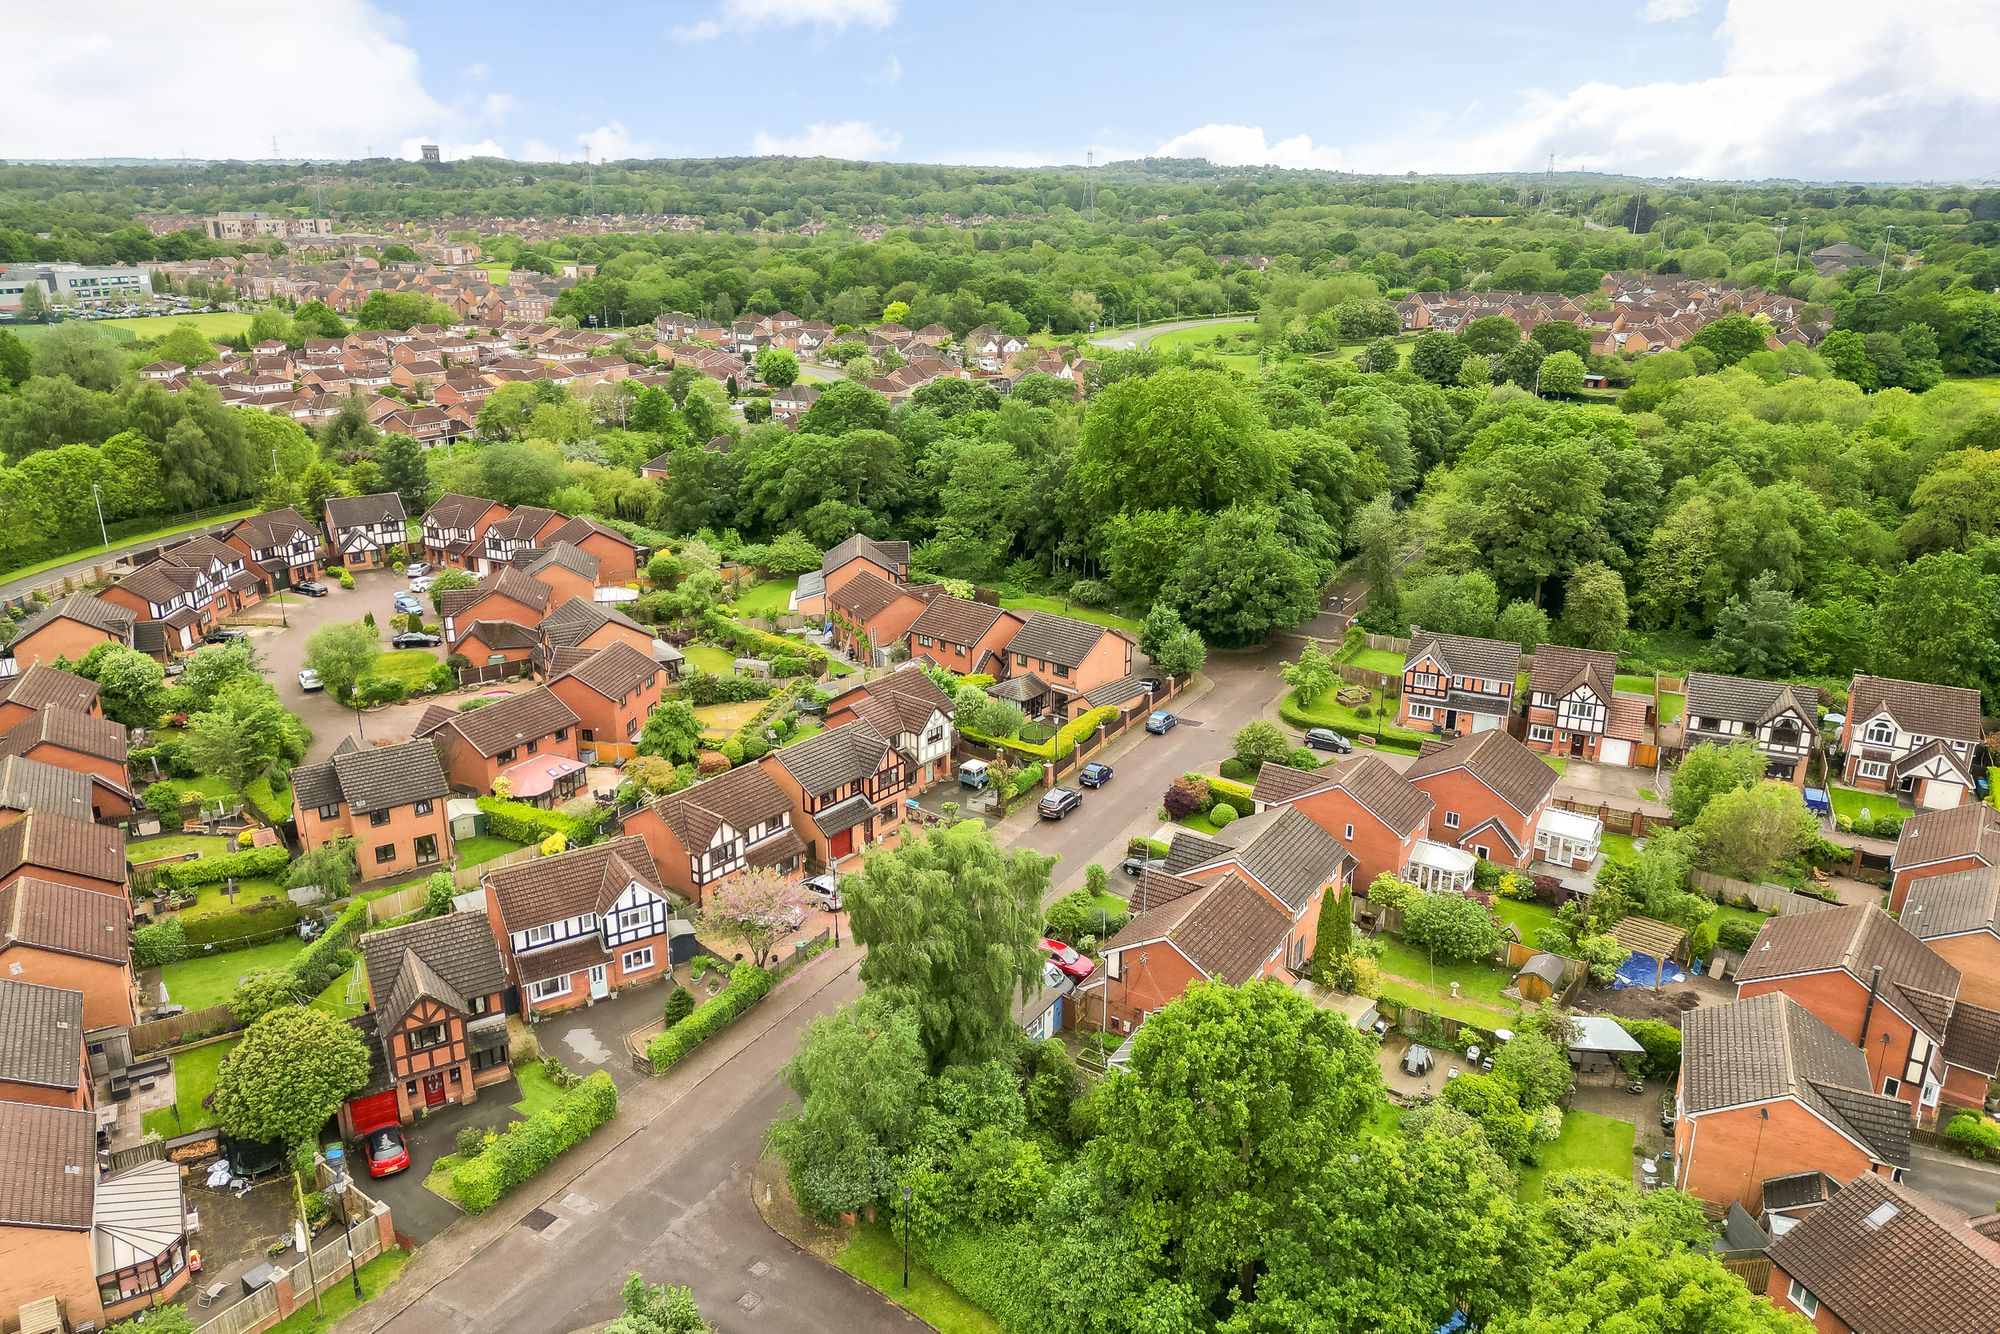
{"type": "Point", "coordinates": [600, 984]}
{"type": "Point", "coordinates": [1576, 743]}
{"type": "Point", "coordinates": [1451, 720]}
{"type": "Point", "coordinates": [433, 1090]}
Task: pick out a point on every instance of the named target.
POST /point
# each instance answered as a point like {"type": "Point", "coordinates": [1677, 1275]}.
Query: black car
{"type": "Point", "coordinates": [1325, 738]}
{"type": "Point", "coordinates": [1058, 802]}
{"type": "Point", "coordinates": [1151, 684]}
{"type": "Point", "coordinates": [415, 639]}
{"type": "Point", "coordinates": [1137, 866]}
{"type": "Point", "coordinates": [1094, 774]}
{"type": "Point", "coordinates": [224, 634]}
{"type": "Point", "coordinates": [312, 588]}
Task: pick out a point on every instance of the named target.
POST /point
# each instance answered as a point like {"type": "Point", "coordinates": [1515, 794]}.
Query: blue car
{"type": "Point", "coordinates": [408, 606]}
{"type": "Point", "coordinates": [1160, 722]}
{"type": "Point", "coordinates": [1094, 774]}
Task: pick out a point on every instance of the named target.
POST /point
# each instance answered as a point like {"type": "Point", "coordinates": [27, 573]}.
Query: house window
{"type": "Point", "coordinates": [562, 734]}
{"type": "Point", "coordinates": [1872, 769]}
{"type": "Point", "coordinates": [633, 960]}
{"type": "Point", "coordinates": [555, 986]}
{"type": "Point", "coordinates": [534, 745]}
{"type": "Point", "coordinates": [1541, 732]}
{"type": "Point", "coordinates": [1451, 819]}
{"type": "Point", "coordinates": [487, 1060]}
{"type": "Point", "coordinates": [329, 812]}
{"type": "Point", "coordinates": [508, 754]}
{"type": "Point", "coordinates": [431, 1035]}
{"type": "Point", "coordinates": [635, 919]}
{"type": "Point", "coordinates": [426, 848]}
{"type": "Point", "coordinates": [385, 853]}
{"type": "Point", "coordinates": [1350, 833]}
{"type": "Point", "coordinates": [1480, 851]}
{"type": "Point", "coordinates": [1797, 1295]}
{"type": "Point", "coordinates": [481, 1004]}
{"type": "Point", "coordinates": [925, 641]}
{"type": "Point", "coordinates": [425, 807]}
{"type": "Point", "coordinates": [1892, 1088]}
{"type": "Point", "coordinates": [541, 935]}
{"type": "Point", "coordinates": [1880, 733]}
{"type": "Point", "coordinates": [1423, 680]}
{"type": "Point", "coordinates": [1422, 711]}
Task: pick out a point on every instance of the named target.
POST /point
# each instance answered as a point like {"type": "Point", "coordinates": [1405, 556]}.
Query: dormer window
{"type": "Point", "coordinates": [1880, 733]}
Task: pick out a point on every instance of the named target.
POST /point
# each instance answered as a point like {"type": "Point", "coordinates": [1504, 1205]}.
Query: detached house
{"type": "Point", "coordinates": [582, 925]}
{"type": "Point", "coordinates": [1782, 720]}
{"type": "Point", "coordinates": [1377, 816]}
{"type": "Point", "coordinates": [870, 615]}
{"type": "Point", "coordinates": [1942, 842]}
{"type": "Point", "coordinates": [909, 709]}
{"type": "Point", "coordinates": [528, 739]}
{"type": "Point", "coordinates": [1490, 795]}
{"type": "Point", "coordinates": [389, 799]}
{"type": "Point", "coordinates": [70, 627]}
{"type": "Point", "coordinates": [888, 561]}
{"type": "Point", "coordinates": [282, 544]}
{"type": "Point", "coordinates": [1084, 665]}
{"type": "Point", "coordinates": [1958, 915]}
{"type": "Point", "coordinates": [454, 528]}
{"type": "Point", "coordinates": [1767, 1090]}
{"type": "Point", "coordinates": [234, 585]}
{"type": "Point", "coordinates": [60, 936]}
{"type": "Point", "coordinates": [586, 626]}
{"type": "Point", "coordinates": [177, 601]}
{"type": "Point", "coordinates": [611, 692]}
{"type": "Point", "coordinates": [524, 529]}
{"type": "Point", "coordinates": [1457, 684]}
{"type": "Point", "coordinates": [1574, 709]}
{"type": "Point", "coordinates": [705, 835]}
{"type": "Point", "coordinates": [437, 1014]}
{"type": "Point", "coordinates": [365, 528]}
{"type": "Point", "coordinates": [508, 595]}
{"type": "Point", "coordinates": [1910, 738]}
{"type": "Point", "coordinates": [847, 786]}
{"type": "Point", "coordinates": [963, 636]}
{"type": "Point", "coordinates": [617, 555]}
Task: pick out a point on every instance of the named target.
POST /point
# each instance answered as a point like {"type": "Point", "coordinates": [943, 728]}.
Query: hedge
{"type": "Point", "coordinates": [1234, 795]}
{"type": "Point", "coordinates": [748, 984]}
{"type": "Point", "coordinates": [526, 1147]}
{"type": "Point", "coordinates": [1662, 1042]}
{"type": "Point", "coordinates": [748, 641]}
{"type": "Point", "coordinates": [1974, 1135]}
{"type": "Point", "coordinates": [236, 930]}
{"type": "Point", "coordinates": [1062, 743]}
{"type": "Point", "coordinates": [159, 943]}
{"type": "Point", "coordinates": [256, 864]}
{"type": "Point", "coordinates": [319, 963]}
{"type": "Point", "coordinates": [519, 822]}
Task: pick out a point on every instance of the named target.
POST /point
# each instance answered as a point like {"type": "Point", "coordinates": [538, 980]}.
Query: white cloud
{"type": "Point", "coordinates": [1669, 11]}
{"type": "Point", "coordinates": [1879, 93]}
{"type": "Point", "coordinates": [534, 150]}
{"type": "Point", "coordinates": [892, 70]}
{"type": "Point", "coordinates": [163, 105]}
{"type": "Point", "coordinates": [478, 71]}
{"type": "Point", "coordinates": [612, 142]}
{"type": "Point", "coordinates": [1244, 146]}
{"type": "Point", "coordinates": [749, 16]}
{"type": "Point", "coordinates": [496, 106]}
{"type": "Point", "coordinates": [848, 139]}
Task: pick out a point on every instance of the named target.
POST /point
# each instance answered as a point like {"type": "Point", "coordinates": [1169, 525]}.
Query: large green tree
{"type": "Point", "coordinates": [130, 685]}
{"type": "Point", "coordinates": [860, 1076]}
{"type": "Point", "coordinates": [289, 1074]}
{"type": "Point", "coordinates": [1639, 1285]}
{"type": "Point", "coordinates": [1183, 438]}
{"type": "Point", "coordinates": [342, 653]}
{"type": "Point", "coordinates": [1750, 832]}
{"type": "Point", "coordinates": [1707, 772]}
{"type": "Point", "coordinates": [245, 733]}
{"type": "Point", "coordinates": [1243, 580]}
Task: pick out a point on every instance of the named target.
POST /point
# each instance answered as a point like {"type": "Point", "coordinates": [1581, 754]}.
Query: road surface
{"type": "Point", "coordinates": [1128, 339]}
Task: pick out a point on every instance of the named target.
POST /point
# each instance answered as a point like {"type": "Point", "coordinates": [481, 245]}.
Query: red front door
{"type": "Point", "coordinates": [840, 844]}
{"type": "Point", "coordinates": [433, 1090]}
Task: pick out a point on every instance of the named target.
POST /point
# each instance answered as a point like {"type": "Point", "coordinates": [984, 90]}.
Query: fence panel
{"type": "Point", "coordinates": [145, 1151]}
{"type": "Point", "coordinates": [493, 671]}
{"type": "Point", "coordinates": [159, 1033]}
{"type": "Point", "coordinates": [256, 1311]}
{"type": "Point", "coordinates": [395, 905]}
{"type": "Point", "coordinates": [1771, 898]}
{"type": "Point", "coordinates": [465, 877]}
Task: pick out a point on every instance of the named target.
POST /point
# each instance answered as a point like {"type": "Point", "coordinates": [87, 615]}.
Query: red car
{"type": "Point", "coordinates": [387, 1153]}
{"type": "Point", "coordinates": [1072, 965]}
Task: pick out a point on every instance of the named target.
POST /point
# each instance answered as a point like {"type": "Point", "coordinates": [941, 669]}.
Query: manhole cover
{"type": "Point", "coordinates": [538, 1220]}
{"type": "Point", "coordinates": [579, 1204]}
{"type": "Point", "coordinates": [1190, 722]}
{"type": "Point", "coordinates": [749, 1301]}
{"type": "Point", "coordinates": [759, 1268]}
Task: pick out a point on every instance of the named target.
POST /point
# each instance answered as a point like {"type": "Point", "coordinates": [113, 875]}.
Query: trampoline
{"type": "Point", "coordinates": [1640, 971]}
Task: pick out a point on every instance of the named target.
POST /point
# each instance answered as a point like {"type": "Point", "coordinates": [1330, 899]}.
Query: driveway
{"type": "Point", "coordinates": [419, 1214]}
{"type": "Point", "coordinates": [1959, 1182]}
{"type": "Point", "coordinates": [284, 651]}
{"type": "Point", "coordinates": [590, 1038]}
{"type": "Point", "coordinates": [1613, 784]}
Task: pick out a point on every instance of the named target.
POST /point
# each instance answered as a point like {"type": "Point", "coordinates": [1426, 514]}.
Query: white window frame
{"type": "Point", "coordinates": [1879, 733]}
{"type": "Point", "coordinates": [1423, 711]}
{"type": "Point", "coordinates": [1871, 769]}
{"type": "Point", "coordinates": [1541, 732]}
{"type": "Point", "coordinates": [633, 960]}
{"type": "Point", "coordinates": [1451, 819]}
{"type": "Point", "coordinates": [548, 989]}
{"type": "Point", "coordinates": [1350, 833]}
{"type": "Point", "coordinates": [1891, 1087]}
{"type": "Point", "coordinates": [538, 936]}
{"type": "Point", "coordinates": [1801, 1297]}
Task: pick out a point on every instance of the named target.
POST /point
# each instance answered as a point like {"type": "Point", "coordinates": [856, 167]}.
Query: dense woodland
{"type": "Point", "coordinates": [1801, 513]}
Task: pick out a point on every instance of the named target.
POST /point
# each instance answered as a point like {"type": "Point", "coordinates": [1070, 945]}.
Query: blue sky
{"type": "Point", "coordinates": [1824, 89]}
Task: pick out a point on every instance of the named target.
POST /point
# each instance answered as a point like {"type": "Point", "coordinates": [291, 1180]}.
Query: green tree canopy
{"type": "Point", "coordinates": [289, 1074]}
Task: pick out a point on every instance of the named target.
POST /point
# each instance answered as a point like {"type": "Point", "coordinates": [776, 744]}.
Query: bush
{"type": "Point", "coordinates": [1076, 915]}
{"type": "Point", "coordinates": [160, 943]}
{"type": "Point", "coordinates": [1222, 791]}
{"type": "Point", "coordinates": [680, 1004]}
{"type": "Point", "coordinates": [164, 800]}
{"type": "Point", "coordinates": [1092, 593]}
{"type": "Point", "coordinates": [319, 963]}
{"type": "Point", "coordinates": [750, 642]}
{"type": "Point", "coordinates": [469, 1142]}
{"type": "Point", "coordinates": [256, 864]}
{"type": "Point", "coordinates": [1186, 795]}
{"type": "Point", "coordinates": [341, 575]}
{"type": "Point", "coordinates": [1662, 1042]}
{"type": "Point", "coordinates": [748, 984]}
{"type": "Point", "coordinates": [1736, 934]}
{"type": "Point", "coordinates": [1221, 813]}
{"type": "Point", "coordinates": [1975, 1135]}
{"type": "Point", "coordinates": [381, 690]}
{"type": "Point", "coordinates": [519, 822]}
{"type": "Point", "coordinates": [1235, 770]}
{"type": "Point", "coordinates": [526, 1147]}
{"type": "Point", "coordinates": [1301, 757]}
{"type": "Point", "coordinates": [235, 930]}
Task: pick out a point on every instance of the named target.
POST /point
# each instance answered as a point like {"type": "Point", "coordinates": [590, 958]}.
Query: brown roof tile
{"type": "Point", "coordinates": [1225, 928]}
{"type": "Point", "coordinates": [1502, 765]}
{"type": "Point", "coordinates": [1856, 940]}
{"type": "Point", "coordinates": [457, 949]}
{"type": "Point", "coordinates": [570, 884]}
{"type": "Point", "coordinates": [70, 730]}
{"type": "Point", "coordinates": [51, 1157]}
{"type": "Point", "coordinates": [1951, 712]}
{"type": "Point", "coordinates": [956, 620]}
{"type": "Point", "coordinates": [1384, 793]}
{"type": "Point", "coordinates": [64, 919]}
{"type": "Point", "coordinates": [614, 671]}
{"type": "Point", "coordinates": [1559, 669]}
{"type": "Point", "coordinates": [59, 843]}
{"type": "Point", "coordinates": [30, 785]}
{"type": "Point", "coordinates": [866, 596]}
{"type": "Point", "coordinates": [528, 715]}
{"type": "Point", "coordinates": [1054, 638]}
{"type": "Point", "coordinates": [39, 686]}
{"type": "Point", "coordinates": [739, 797]}
{"type": "Point", "coordinates": [1466, 655]}
{"type": "Point", "coordinates": [839, 755]}
{"type": "Point", "coordinates": [41, 1034]}
{"type": "Point", "coordinates": [1971, 830]}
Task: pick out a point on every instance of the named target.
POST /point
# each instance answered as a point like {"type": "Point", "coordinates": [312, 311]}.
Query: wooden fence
{"type": "Point", "coordinates": [494, 671]}
{"type": "Point", "coordinates": [257, 1311]}
{"type": "Point", "coordinates": [1770, 898]}
{"type": "Point", "coordinates": [157, 1033]}
{"type": "Point", "coordinates": [1616, 819]}
{"type": "Point", "coordinates": [395, 905]}
{"type": "Point", "coordinates": [1390, 684]}
{"type": "Point", "coordinates": [466, 877]}
{"type": "Point", "coordinates": [261, 1309]}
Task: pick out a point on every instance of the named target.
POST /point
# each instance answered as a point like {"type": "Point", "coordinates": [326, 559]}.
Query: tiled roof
{"type": "Point", "coordinates": [38, 687]}
{"type": "Point", "coordinates": [866, 595]}
{"type": "Point", "coordinates": [30, 785]}
{"type": "Point", "coordinates": [903, 701]}
{"type": "Point", "coordinates": [509, 582]}
{"type": "Point", "coordinates": [523, 524]}
{"type": "Point", "coordinates": [1917, 706]}
{"type": "Point", "coordinates": [615, 671]}
{"type": "Point", "coordinates": [576, 620]}
{"type": "Point", "coordinates": [956, 620]}
{"type": "Point", "coordinates": [365, 511]}
{"type": "Point", "coordinates": [559, 556]}
{"type": "Point", "coordinates": [844, 754]}
{"type": "Point", "coordinates": [1502, 765]}
{"type": "Point", "coordinates": [1464, 655]}
{"type": "Point", "coordinates": [739, 797]}
{"type": "Point", "coordinates": [1226, 928]}
{"type": "Point", "coordinates": [373, 778]}
{"type": "Point", "coordinates": [1113, 693]}
{"type": "Point", "coordinates": [1559, 669]}
{"type": "Point", "coordinates": [1278, 783]}
{"type": "Point", "coordinates": [1770, 1047]}
{"type": "Point", "coordinates": [1971, 830]}
{"type": "Point", "coordinates": [1926, 756]}
{"type": "Point", "coordinates": [69, 729]}
{"type": "Point", "coordinates": [51, 1157]}
{"type": "Point", "coordinates": [59, 843]}
{"type": "Point", "coordinates": [528, 715]}
{"type": "Point", "coordinates": [452, 510]}
{"type": "Point", "coordinates": [456, 950]}
{"type": "Point", "coordinates": [501, 635]}
{"type": "Point", "coordinates": [86, 608]}
{"type": "Point", "coordinates": [1384, 793]}
{"type": "Point", "coordinates": [1953, 903]}
{"type": "Point", "coordinates": [571, 883]}
{"type": "Point", "coordinates": [65, 919]}
{"type": "Point", "coordinates": [1054, 638]}
{"type": "Point", "coordinates": [1972, 1039]}
{"type": "Point", "coordinates": [1750, 702]}
{"type": "Point", "coordinates": [1885, 1259]}
{"type": "Point", "coordinates": [1282, 849]}
{"type": "Point", "coordinates": [1856, 939]}
{"type": "Point", "coordinates": [41, 1034]}
{"type": "Point", "coordinates": [890, 556]}
{"type": "Point", "coordinates": [161, 582]}
{"type": "Point", "coordinates": [274, 528]}
{"type": "Point", "coordinates": [582, 526]}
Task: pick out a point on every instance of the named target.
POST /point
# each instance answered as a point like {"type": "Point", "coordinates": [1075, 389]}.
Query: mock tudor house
{"type": "Point", "coordinates": [1457, 684]}
{"type": "Point", "coordinates": [78, 853]}
{"type": "Point", "coordinates": [1767, 1090]}
{"type": "Point", "coordinates": [963, 636]}
{"type": "Point", "coordinates": [389, 799]}
{"type": "Point", "coordinates": [437, 1014]}
{"type": "Point", "coordinates": [224, 566]}
{"type": "Point", "coordinates": [909, 709]}
{"type": "Point", "coordinates": [1490, 796]}
{"type": "Point", "coordinates": [528, 739]}
{"type": "Point", "coordinates": [70, 627]}
{"type": "Point", "coordinates": [1912, 739]}
{"type": "Point", "coordinates": [1782, 721]}
{"type": "Point", "coordinates": [1575, 710]}
{"type": "Point", "coordinates": [61, 936]}
{"type": "Point", "coordinates": [579, 926]}
{"type": "Point", "coordinates": [178, 600]}
{"type": "Point", "coordinates": [283, 546]}
{"type": "Point", "coordinates": [454, 528]}
{"type": "Point", "coordinates": [524, 529]}
{"type": "Point", "coordinates": [83, 744]}
{"type": "Point", "coordinates": [704, 835]}
{"type": "Point", "coordinates": [847, 786]}
{"type": "Point", "coordinates": [1941, 842]}
{"type": "Point", "coordinates": [363, 529]}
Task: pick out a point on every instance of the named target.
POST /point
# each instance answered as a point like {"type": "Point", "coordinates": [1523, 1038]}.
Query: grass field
{"type": "Point", "coordinates": [1852, 803]}
{"type": "Point", "coordinates": [1527, 918]}
{"type": "Point", "coordinates": [874, 1256]}
{"type": "Point", "coordinates": [538, 1091]}
{"type": "Point", "coordinates": [710, 658]}
{"type": "Point", "coordinates": [178, 845]}
{"type": "Point", "coordinates": [1440, 1003]}
{"type": "Point", "coordinates": [1589, 1142]}
{"type": "Point", "coordinates": [210, 979]}
{"type": "Point", "coordinates": [722, 719]}
{"type": "Point", "coordinates": [766, 599]}
{"type": "Point", "coordinates": [212, 324]}
{"type": "Point", "coordinates": [1071, 610]}
{"type": "Point", "coordinates": [29, 571]}
{"type": "Point", "coordinates": [1617, 847]}
{"type": "Point", "coordinates": [1638, 685]}
{"type": "Point", "coordinates": [1373, 659]}
{"type": "Point", "coordinates": [194, 1080]}
{"type": "Point", "coordinates": [1328, 711]}
{"type": "Point", "coordinates": [339, 1299]}
{"type": "Point", "coordinates": [413, 666]}
{"type": "Point", "coordinates": [484, 848]}
{"type": "Point", "coordinates": [1556, 762]}
{"type": "Point", "coordinates": [1477, 982]}
{"type": "Point", "coordinates": [1985, 384]}
{"type": "Point", "coordinates": [497, 271]}
{"type": "Point", "coordinates": [211, 900]}
{"type": "Point", "coordinates": [334, 999]}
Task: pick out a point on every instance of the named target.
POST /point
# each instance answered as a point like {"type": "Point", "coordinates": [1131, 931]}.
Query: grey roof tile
{"type": "Point", "coordinates": [1917, 706]}
{"type": "Point", "coordinates": [46, 915]}
{"type": "Point", "coordinates": [41, 1035]}
{"type": "Point", "coordinates": [1467, 655]}
{"type": "Point", "coordinates": [51, 1157]}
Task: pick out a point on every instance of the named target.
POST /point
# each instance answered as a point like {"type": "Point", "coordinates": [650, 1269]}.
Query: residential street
{"type": "Point", "coordinates": [1126, 340]}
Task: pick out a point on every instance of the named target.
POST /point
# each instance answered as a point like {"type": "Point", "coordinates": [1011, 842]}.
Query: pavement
{"type": "Point", "coordinates": [663, 1191]}
{"type": "Point", "coordinates": [1131, 338]}
{"type": "Point", "coordinates": [106, 556]}
{"type": "Point", "coordinates": [1960, 1182]}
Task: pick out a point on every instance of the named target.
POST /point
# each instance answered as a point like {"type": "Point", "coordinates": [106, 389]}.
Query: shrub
{"type": "Point", "coordinates": [748, 984]}
{"type": "Point", "coordinates": [1662, 1042]}
{"type": "Point", "coordinates": [469, 1142]}
{"type": "Point", "coordinates": [519, 822]}
{"type": "Point", "coordinates": [234, 930]}
{"type": "Point", "coordinates": [341, 575]}
{"type": "Point", "coordinates": [1235, 770]}
{"type": "Point", "coordinates": [256, 864]}
{"type": "Point", "coordinates": [1076, 915]}
{"type": "Point", "coordinates": [1974, 1135]}
{"type": "Point", "coordinates": [318, 964]}
{"type": "Point", "coordinates": [1221, 813]}
{"type": "Point", "coordinates": [381, 690]}
{"type": "Point", "coordinates": [1736, 934]}
{"type": "Point", "coordinates": [526, 1147]}
{"type": "Point", "coordinates": [159, 943]}
{"type": "Point", "coordinates": [1222, 791]}
{"type": "Point", "coordinates": [1301, 757]}
{"type": "Point", "coordinates": [1450, 926]}
{"type": "Point", "coordinates": [164, 800]}
{"type": "Point", "coordinates": [1186, 795]}
{"type": "Point", "coordinates": [680, 1004]}
{"type": "Point", "coordinates": [1092, 593]}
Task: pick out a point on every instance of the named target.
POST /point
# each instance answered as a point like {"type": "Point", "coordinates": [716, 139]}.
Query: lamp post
{"type": "Point", "coordinates": [1878, 268]}
{"type": "Point", "coordinates": [336, 1158]}
{"type": "Point", "coordinates": [907, 1193]}
{"type": "Point", "coordinates": [102, 531]}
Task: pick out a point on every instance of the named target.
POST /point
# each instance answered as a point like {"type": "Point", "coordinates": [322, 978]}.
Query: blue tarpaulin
{"type": "Point", "coordinates": [1640, 971]}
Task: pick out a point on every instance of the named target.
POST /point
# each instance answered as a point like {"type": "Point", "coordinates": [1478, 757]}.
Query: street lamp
{"type": "Point", "coordinates": [102, 531]}
{"type": "Point", "coordinates": [1878, 268]}
{"type": "Point", "coordinates": [907, 1193]}
{"type": "Point", "coordinates": [336, 1158]}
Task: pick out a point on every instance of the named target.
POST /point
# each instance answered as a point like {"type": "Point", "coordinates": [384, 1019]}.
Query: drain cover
{"type": "Point", "coordinates": [538, 1220]}
{"type": "Point", "coordinates": [579, 1204]}
{"type": "Point", "coordinates": [749, 1301]}
{"type": "Point", "coordinates": [759, 1268]}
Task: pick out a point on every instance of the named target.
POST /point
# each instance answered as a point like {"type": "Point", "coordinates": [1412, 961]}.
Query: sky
{"type": "Point", "coordinates": [1728, 89]}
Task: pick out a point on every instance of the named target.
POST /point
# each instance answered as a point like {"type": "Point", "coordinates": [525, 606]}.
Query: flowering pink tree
{"type": "Point", "coordinates": [756, 911]}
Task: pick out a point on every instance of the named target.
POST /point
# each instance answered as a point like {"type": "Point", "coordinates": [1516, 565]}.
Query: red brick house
{"type": "Point", "coordinates": [1457, 684]}
{"type": "Point", "coordinates": [617, 555]}
{"type": "Point", "coordinates": [39, 687]}
{"type": "Point", "coordinates": [963, 636]}
{"type": "Point", "coordinates": [77, 853]}
{"type": "Point", "coordinates": [1490, 796]}
{"type": "Point", "coordinates": [60, 936]}
{"type": "Point", "coordinates": [888, 561]}
{"type": "Point", "coordinates": [179, 601]}
{"type": "Point", "coordinates": [42, 1055]}
{"type": "Point", "coordinates": [580, 926]}
{"type": "Point", "coordinates": [508, 595]}
{"type": "Point", "coordinates": [847, 786]}
{"type": "Point", "coordinates": [870, 615]}
{"type": "Point", "coordinates": [364, 529]}
{"type": "Point", "coordinates": [1767, 1090]}
{"type": "Point", "coordinates": [454, 528]}
{"type": "Point", "coordinates": [389, 799]}
{"type": "Point", "coordinates": [82, 744]}
{"type": "Point", "coordinates": [909, 709]}
{"type": "Point", "coordinates": [1958, 915]}
{"type": "Point", "coordinates": [68, 628]}
{"type": "Point", "coordinates": [708, 834]}
{"type": "Point", "coordinates": [1084, 665]}
{"type": "Point", "coordinates": [498, 643]}
{"type": "Point", "coordinates": [528, 738]}
{"type": "Point", "coordinates": [611, 692]}
{"type": "Point", "coordinates": [1940, 842]}
{"type": "Point", "coordinates": [1910, 738]}
{"type": "Point", "coordinates": [588, 626]}
{"type": "Point", "coordinates": [437, 1016]}
{"type": "Point", "coordinates": [1880, 1258]}
{"type": "Point", "coordinates": [569, 572]}
{"type": "Point", "coordinates": [226, 568]}
{"type": "Point", "coordinates": [1376, 814]}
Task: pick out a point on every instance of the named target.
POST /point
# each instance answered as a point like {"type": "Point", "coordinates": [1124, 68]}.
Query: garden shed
{"type": "Point", "coordinates": [1543, 976]}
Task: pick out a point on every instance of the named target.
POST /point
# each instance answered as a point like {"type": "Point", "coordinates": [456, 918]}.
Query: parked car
{"type": "Point", "coordinates": [1094, 774]}
{"type": "Point", "coordinates": [416, 639]}
{"type": "Point", "coordinates": [1151, 684]}
{"type": "Point", "coordinates": [826, 889]}
{"type": "Point", "coordinates": [1137, 866]}
{"type": "Point", "coordinates": [1160, 722]}
{"type": "Point", "coordinates": [309, 680]}
{"type": "Point", "coordinates": [312, 588]}
{"type": "Point", "coordinates": [1325, 738]}
{"type": "Point", "coordinates": [416, 569]}
{"type": "Point", "coordinates": [974, 774]}
{"type": "Point", "coordinates": [388, 1153]}
{"type": "Point", "coordinates": [225, 634]}
{"type": "Point", "coordinates": [420, 584]}
{"type": "Point", "coordinates": [1072, 965]}
{"type": "Point", "coordinates": [1058, 802]}
{"type": "Point", "coordinates": [408, 604]}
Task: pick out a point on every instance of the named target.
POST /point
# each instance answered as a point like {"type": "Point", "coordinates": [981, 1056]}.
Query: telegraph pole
{"type": "Point", "coordinates": [1885, 256]}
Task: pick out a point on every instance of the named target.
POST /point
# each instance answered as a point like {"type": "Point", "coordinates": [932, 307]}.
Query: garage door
{"type": "Point", "coordinates": [1615, 752]}
{"type": "Point", "coordinates": [377, 1109]}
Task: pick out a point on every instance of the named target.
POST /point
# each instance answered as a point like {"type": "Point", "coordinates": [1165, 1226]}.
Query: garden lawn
{"type": "Point", "coordinates": [411, 666]}
{"type": "Point", "coordinates": [1198, 822]}
{"type": "Point", "coordinates": [874, 1256]}
{"type": "Point", "coordinates": [1433, 1002]}
{"type": "Point", "coordinates": [1556, 762]}
{"type": "Point", "coordinates": [1588, 1142]}
{"type": "Point", "coordinates": [179, 845]}
{"type": "Point", "coordinates": [711, 659]}
{"type": "Point", "coordinates": [720, 720]}
{"type": "Point", "coordinates": [484, 848]}
{"type": "Point", "coordinates": [1480, 982]}
{"type": "Point", "coordinates": [1373, 659]}
{"type": "Point", "coordinates": [210, 979]}
{"type": "Point", "coordinates": [1527, 918]}
{"type": "Point", "coordinates": [334, 999]}
{"type": "Point", "coordinates": [1672, 706]}
{"type": "Point", "coordinates": [769, 598]}
{"type": "Point", "coordinates": [538, 1091]}
{"type": "Point", "coordinates": [496, 272]}
{"type": "Point", "coordinates": [1384, 1121]}
{"type": "Point", "coordinates": [1849, 802]}
{"type": "Point", "coordinates": [213, 900]}
{"type": "Point", "coordinates": [1202, 335]}
{"type": "Point", "coordinates": [1617, 847]}
{"type": "Point", "coordinates": [339, 1299]}
{"type": "Point", "coordinates": [1638, 685]}
{"type": "Point", "coordinates": [194, 1080]}
{"type": "Point", "coordinates": [210, 323]}
{"type": "Point", "coordinates": [1071, 610]}
{"type": "Point", "coordinates": [1328, 711]}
